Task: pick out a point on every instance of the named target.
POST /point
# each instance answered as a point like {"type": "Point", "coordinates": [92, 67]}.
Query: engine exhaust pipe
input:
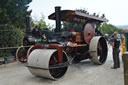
{"type": "Point", "coordinates": [28, 24]}
{"type": "Point", "coordinates": [58, 19]}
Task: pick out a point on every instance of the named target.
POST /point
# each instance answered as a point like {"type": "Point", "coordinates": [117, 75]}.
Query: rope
{"type": "Point", "coordinates": [12, 47]}
{"type": "Point", "coordinates": [6, 30]}
{"type": "Point", "coordinates": [9, 30]}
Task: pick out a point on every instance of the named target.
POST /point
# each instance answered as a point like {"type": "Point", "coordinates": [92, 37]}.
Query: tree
{"type": "Point", "coordinates": [10, 38]}
{"type": "Point", "coordinates": [12, 23]}
{"type": "Point", "coordinates": [109, 29]}
{"type": "Point", "coordinates": [41, 22]}
{"type": "Point", "coordinates": [13, 12]}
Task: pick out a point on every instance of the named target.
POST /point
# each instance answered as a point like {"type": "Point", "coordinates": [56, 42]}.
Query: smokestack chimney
{"type": "Point", "coordinates": [28, 24]}
{"type": "Point", "coordinates": [58, 20]}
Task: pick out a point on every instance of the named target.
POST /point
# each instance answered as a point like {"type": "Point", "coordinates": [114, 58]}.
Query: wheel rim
{"type": "Point", "coordinates": [102, 50]}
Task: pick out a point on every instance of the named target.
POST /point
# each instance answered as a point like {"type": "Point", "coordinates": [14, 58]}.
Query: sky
{"type": "Point", "coordinates": [114, 10]}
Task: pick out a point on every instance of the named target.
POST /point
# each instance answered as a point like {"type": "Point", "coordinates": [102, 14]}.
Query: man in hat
{"type": "Point", "coordinates": [116, 51]}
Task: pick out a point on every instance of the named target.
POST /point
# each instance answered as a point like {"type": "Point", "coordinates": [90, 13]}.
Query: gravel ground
{"type": "Point", "coordinates": [84, 73]}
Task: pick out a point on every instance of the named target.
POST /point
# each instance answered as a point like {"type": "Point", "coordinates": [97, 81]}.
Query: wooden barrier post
{"type": "Point", "coordinates": [125, 64]}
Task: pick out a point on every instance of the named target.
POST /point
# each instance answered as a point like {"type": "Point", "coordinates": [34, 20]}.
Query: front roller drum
{"type": "Point", "coordinates": [40, 62]}
{"type": "Point", "coordinates": [98, 50]}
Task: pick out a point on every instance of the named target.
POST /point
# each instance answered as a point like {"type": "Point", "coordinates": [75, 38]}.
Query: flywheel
{"type": "Point", "coordinates": [89, 32]}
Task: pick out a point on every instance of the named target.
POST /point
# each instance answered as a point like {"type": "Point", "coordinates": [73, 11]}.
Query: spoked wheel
{"type": "Point", "coordinates": [98, 50]}
{"type": "Point", "coordinates": [21, 54]}
{"type": "Point", "coordinates": [54, 60]}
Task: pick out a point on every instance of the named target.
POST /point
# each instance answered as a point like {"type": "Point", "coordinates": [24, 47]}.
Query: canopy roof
{"type": "Point", "coordinates": [77, 17]}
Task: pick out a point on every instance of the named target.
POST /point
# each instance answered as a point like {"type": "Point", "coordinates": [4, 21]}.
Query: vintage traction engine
{"type": "Point", "coordinates": [31, 38]}
{"type": "Point", "coordinates": [62, 48]}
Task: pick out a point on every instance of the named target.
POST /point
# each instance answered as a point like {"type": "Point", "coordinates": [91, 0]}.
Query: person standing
{"type": "Point", "coordinates": [116, 51]}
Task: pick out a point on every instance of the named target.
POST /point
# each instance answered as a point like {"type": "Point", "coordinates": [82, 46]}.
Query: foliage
{"type": "Point", "coordinates": [13, 12]}
{"type": "Point", "coordinates": [82, 10]}
{"type": "Point", "coordinates": [10, 38]}
{"type": "Point", "coordinates": [12, 24]}
{"type": "Point", "coordinates": [49, 26]}
{"type": "Point", "coordinates": [109, 29]}
{"type": "Point", "coordinates": [41, 22]}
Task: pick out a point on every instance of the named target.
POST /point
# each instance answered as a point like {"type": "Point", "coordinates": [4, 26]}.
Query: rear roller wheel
{"type": "Point", "coordinates": [98, 50]}
{"type": "Point", "coordinates": [21, 54]}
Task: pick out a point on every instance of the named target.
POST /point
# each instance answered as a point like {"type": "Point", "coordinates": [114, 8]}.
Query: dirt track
{"type": "Point", "coordinates": [84, 73]}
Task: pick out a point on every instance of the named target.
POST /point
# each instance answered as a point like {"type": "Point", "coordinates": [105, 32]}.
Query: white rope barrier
{"type": "Point", "coordinates": [12, 47]}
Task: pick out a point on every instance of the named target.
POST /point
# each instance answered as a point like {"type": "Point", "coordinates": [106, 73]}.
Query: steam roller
{"type": "Point", "coordinates": [65, 46]}
{"type": "Point", "coordinates": [46, 63]}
